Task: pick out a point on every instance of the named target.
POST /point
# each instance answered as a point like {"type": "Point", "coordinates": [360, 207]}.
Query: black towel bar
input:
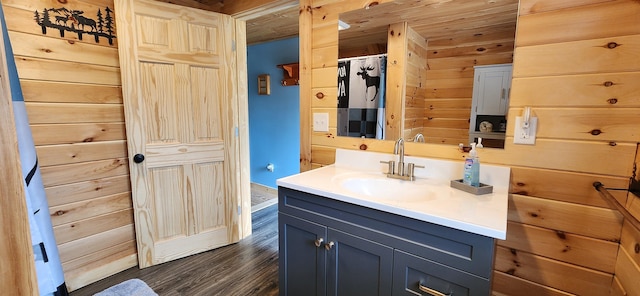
{"type": "Point", "coordinates": [610, 199]}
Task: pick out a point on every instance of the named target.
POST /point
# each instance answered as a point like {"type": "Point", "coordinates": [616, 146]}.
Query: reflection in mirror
{"type": "Point", "coordinates": [361, 96]}
{"type": "Point", "coordinates": [434, 47]}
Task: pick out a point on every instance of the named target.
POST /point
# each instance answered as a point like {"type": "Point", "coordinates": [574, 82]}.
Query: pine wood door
{"type": "Point", "coordinates": [181, 104]}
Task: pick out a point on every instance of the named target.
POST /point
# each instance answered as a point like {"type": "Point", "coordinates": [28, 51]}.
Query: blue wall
{"type": "Point", "coordinates": [274, 120]}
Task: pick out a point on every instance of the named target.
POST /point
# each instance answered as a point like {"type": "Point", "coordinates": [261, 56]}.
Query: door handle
{"type": "Point", "coordinates": [318, 242]}
{"type": "Point", "coordinates": [138, 158]}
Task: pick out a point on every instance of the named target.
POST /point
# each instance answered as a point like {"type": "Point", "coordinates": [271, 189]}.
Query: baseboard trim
{"type": "Point", "coordinates": [264, 190]}
{"type": "Point", "coordinates": [263, 205]}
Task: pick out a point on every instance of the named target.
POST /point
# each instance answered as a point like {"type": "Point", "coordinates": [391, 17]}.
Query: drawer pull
{"type": "Point", "coordinates": [431, 291]}
{"type": "Point", "coordinates": [318, 242]}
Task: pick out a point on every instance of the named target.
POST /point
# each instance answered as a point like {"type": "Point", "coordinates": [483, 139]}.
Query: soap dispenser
{"type": "Point", "coordinates": [472, 168]}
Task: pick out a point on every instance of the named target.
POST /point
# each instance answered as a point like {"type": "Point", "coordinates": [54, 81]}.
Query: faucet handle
{"type": "Point", "coordinates": [411, 168]}
{"type": "Point", "coordinates": [391, 168]}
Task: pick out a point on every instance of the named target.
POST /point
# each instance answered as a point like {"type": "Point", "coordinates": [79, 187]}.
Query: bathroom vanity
{"type": "Point", "coordinates": [346, 229]}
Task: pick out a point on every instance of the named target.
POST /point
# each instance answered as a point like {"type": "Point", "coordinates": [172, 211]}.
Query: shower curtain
{"type": "Point", "coordinates": [361, 99]}
{"type": "Point", "coordinates": [49, 273]}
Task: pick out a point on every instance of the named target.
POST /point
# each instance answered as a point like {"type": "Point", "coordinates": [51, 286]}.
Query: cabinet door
{"type": "Point", "coordinates": [493, 92]}
{"type": "Point", "coordinates": [358, 266]}
{"type": "Point", "coordinates": [302, 257]}
{"type": "Point", "coordinates": [413, 275]}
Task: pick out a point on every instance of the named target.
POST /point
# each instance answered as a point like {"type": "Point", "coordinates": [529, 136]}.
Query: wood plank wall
{"type": "Point", "coordinates": [576, 64]}
{"type": "Point", "coordinates": [74, 103]}
{"type": "Point", "coordinates": [591, 102]}
{"type": "Point", "coordinates": [416, 86]}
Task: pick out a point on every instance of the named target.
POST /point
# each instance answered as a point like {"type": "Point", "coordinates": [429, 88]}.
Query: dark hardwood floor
{"type": "Point", "coordinates": [249, 267]}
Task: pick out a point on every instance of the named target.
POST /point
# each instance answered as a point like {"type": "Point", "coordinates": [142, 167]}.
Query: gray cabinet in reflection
{"type": "Point", "coordinates": [329, 247]}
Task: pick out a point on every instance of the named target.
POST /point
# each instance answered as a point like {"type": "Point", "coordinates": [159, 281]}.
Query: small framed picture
{"type": "Point", "coordinates": [264, 84]}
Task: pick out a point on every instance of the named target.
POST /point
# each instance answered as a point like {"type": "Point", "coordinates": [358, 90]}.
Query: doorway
{"type": "Point", "coordinates": [274, 119]}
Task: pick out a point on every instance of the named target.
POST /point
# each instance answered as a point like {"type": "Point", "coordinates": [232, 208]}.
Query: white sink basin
{"type": "Point", "coordinates": [379, 186]}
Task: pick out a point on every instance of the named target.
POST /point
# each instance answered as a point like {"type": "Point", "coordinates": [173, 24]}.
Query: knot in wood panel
{"type": "Point", "coordinates": [596, 132]}
{"type": "Point", "coordinates": [608, 83]}
{"type": "Point", "coordinates": [612, 45]}
{"type": "Point", "coordinates": [308, 9]}
{"type": "Point", "coordinates": [612, 101]}
{"type": "Point", "coordinates": [516, 263]}
{"type": "Point", "coordinates": [363, 147]}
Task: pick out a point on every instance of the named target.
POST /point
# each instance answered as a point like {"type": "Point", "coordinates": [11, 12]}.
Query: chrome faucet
{"type": "Point", "coordinates": [401, 173]}
{"type": "Point", "coordinates": [399, 150]}
{"type": "Point", "coordinates": [418, 138]}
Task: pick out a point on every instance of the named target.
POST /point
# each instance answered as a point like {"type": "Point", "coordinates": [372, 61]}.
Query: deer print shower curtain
{"type": "Point", "coordinates": [361, 100]}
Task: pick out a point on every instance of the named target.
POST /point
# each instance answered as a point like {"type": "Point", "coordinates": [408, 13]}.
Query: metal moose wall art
{"type": "Point", "coordinates": [75, 21]}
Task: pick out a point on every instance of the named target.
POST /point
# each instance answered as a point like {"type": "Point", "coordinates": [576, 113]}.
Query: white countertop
{"type": "Point", "coordinates": [429, 198]}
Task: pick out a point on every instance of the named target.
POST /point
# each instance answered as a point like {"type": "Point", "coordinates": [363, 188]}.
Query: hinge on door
{"type": "Point", "coordinates": [237, 131]}
{"type": "Point", "coordinates": [233, 45]}
{"type": "Point", "coordinates": [239, 210]}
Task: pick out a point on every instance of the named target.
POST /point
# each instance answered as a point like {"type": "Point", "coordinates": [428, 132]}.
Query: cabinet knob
{"type": "Point", "coordinates": [138, 158]}
{"type": "Point", "coordinates": [318, 242]}
{"type": "Point", "coordinates": [329, 246]}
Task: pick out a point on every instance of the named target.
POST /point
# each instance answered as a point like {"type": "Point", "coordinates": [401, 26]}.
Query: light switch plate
{"type": "Point", "coordinates": [520, 136]}
{"type": "Point", "coordinates": [320, 122]}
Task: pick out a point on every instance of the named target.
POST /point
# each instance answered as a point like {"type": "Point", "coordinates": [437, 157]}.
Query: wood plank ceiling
{"type": "Point", "coordinates": [432, 19]}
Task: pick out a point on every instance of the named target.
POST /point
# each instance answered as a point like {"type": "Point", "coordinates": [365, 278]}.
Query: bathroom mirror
{"type": "Point", "coordinates": [457, 35]}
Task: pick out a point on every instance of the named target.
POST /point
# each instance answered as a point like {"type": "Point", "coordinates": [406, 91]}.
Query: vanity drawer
{"type": "Point", "coordinates": [413, 275]}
